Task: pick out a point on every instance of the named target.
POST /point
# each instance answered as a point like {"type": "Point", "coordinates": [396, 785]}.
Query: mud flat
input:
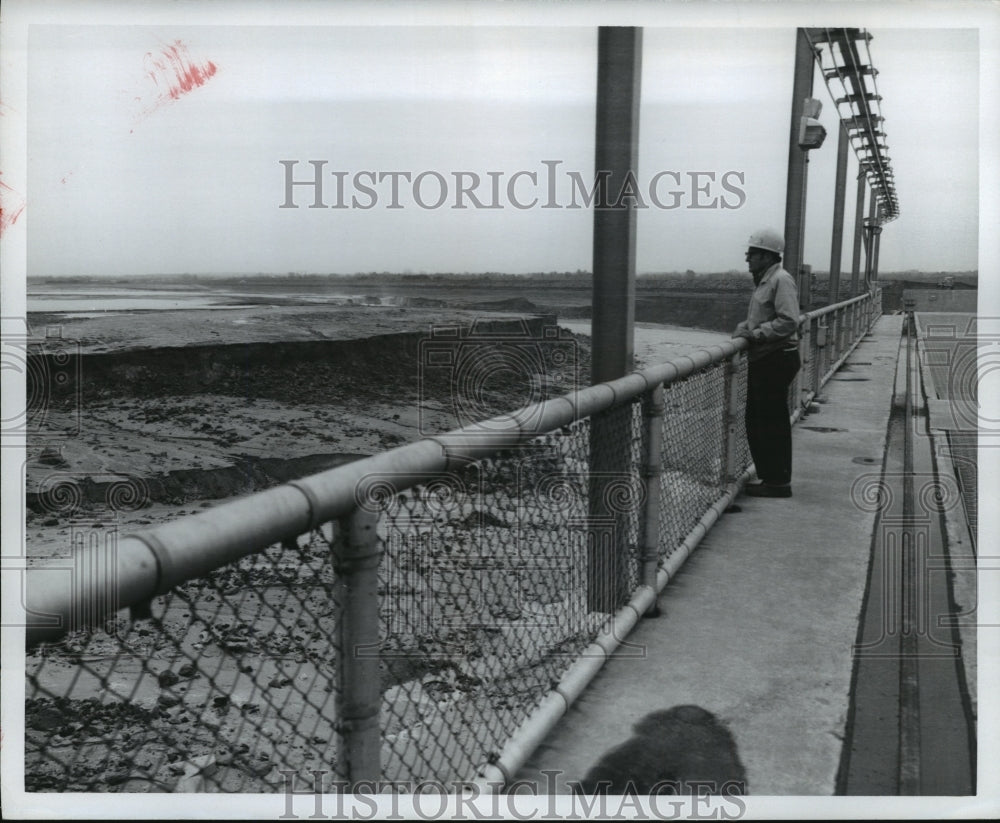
{"type": "Point", "coordinates": [167, 413]}
{"type": "Point", "coordinates": [201, 405]}
{"type": "Point", "coordinates": [169, 397]}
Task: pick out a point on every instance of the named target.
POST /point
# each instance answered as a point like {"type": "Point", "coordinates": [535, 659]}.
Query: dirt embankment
{"type": "Point", "coordinates": [260, 368]}
{"type": "Point", "coordinates": [181, 423]}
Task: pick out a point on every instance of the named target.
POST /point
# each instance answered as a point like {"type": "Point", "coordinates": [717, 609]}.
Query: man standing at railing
{"type": "Point", "coordinates": [772, 328]}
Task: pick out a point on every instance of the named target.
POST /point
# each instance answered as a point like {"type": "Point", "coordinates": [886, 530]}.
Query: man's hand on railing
{"type": "Point", "coordinates": [742, 332]}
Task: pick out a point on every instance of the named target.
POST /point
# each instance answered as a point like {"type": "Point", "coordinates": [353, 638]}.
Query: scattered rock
{"type": "Point", "coordinates": [116, 777]}
{"type": "Point", "coordinates": [47, 719]}
{"type": "Point", "coordinates": [51, 456]}
{"type": "Point", "coordinates": [210, 721]}
{"type": "Point", "coordinates": [187, 670]}
{"type": "Point", "coordinates": [167, 678]}
{"type": "Point", "coordinates": [167, 700]}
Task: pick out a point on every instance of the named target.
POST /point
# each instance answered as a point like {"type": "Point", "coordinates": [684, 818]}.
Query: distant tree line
{"type": "Point", "coordinates": [580, 278]}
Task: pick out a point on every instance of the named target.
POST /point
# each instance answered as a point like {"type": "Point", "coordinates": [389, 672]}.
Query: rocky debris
{"type": "Point", "coordinates": [256, 601]}
{"type": "Point", "coordinates": [168, 700]}
{"type": "Point", "coordinates": [51, 456]}
{"type": "Point", "coordinates": [167, 678]}
{"type": "Point", "coordinates": [210, 720]}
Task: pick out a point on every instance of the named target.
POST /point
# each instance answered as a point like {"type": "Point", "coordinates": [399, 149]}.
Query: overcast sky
{"type": "Point", "coordinates": [125, 179]}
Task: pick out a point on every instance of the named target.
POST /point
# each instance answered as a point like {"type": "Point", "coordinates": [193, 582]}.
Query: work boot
{"type": "Point", "coordinates": [762, 489]}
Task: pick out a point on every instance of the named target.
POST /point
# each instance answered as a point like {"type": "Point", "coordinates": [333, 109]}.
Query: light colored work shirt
{"type": "Point", "coordinates": [773, 315]}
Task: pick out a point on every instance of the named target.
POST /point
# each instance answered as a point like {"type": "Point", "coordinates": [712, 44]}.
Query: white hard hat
{"type": "Point", "coordinates": [768, 239]}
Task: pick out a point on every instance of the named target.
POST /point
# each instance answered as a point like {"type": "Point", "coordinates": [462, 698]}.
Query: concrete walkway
{"type": "Point", "coordinates": [758, 626]}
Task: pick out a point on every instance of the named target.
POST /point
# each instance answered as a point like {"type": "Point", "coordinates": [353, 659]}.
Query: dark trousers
{"type": "Point", "coordinates": [769, 431]}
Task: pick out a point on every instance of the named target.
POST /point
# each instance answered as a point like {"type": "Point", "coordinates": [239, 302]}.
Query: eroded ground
{"type": "Point", "coordinates": [228, 681]}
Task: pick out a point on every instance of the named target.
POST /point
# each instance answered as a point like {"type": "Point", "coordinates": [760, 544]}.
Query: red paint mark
{"type": "Point", "coordinates": [11, 206]}
{"type": "Point", "coordinates": [173, 74]}
{"type": "Point", "coordinates": [174, 71]}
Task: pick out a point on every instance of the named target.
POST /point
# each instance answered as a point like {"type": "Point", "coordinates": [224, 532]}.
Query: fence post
{"type": "Point", "coordinates": [652, 467]}
{"type": "Point", "coordinates": [616, 152]}
{"type": "Point", "coordinates": [733, 411]}
{"type": "Point", "coordinates": [356, 555]}
{"type": "Point", "coordinates": [801, 385]}
{"type": "Point", "coordinates": [822, 351]}
{"type": "Point", "coordinates": [836, 327]}
{"type": "Point", "coordinates": [816, 336]}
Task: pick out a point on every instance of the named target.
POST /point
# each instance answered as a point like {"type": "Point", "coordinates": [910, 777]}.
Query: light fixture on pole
{"type": "Point", "coordinates": [811, 131]}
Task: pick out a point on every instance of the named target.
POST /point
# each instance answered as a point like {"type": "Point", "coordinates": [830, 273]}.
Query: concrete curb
{"type": "Point", "coordinates": [961, 554]}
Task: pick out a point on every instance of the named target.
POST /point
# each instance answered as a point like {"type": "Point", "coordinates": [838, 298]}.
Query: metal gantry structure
{"type": "Point", "coordinates": [844, 59]}
{"type": "Point", "coordinates": [859, 106]}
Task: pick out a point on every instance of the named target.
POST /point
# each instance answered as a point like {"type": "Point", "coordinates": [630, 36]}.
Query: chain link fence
{"type": "Point", "coordinates": [401, 618]}
{"type": "Point", "coordinates": [227, 680]}
{"type": "Point", "coordinates": [485, 572]}
{"type": "Point", "coordinates": [828, 335]}
{"type": "Point", "coordinates": [694, 465]}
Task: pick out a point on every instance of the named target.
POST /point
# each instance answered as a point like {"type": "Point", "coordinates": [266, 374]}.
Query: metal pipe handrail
{"type": "Point", "coordinates": [832, 307]}
{"type": "Point", "coordinates": [156, 560]}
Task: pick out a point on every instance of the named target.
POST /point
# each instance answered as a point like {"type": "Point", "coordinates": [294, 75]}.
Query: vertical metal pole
{"type": "Point", "coordinates": [859, 224]}
{"type": "Point", "coordinates": [878, 243]}
{"type": "Point", "coordinates": [734, 406]}
{"type": "Point", "coordinates": [840, 188]}
{"type": "Point", "coordinates": [869, 239]}
{"type": "Point", "coordinates": [619, 55]}
{"type": "Point", "coordinates": [356, 558]}
{"type": "Point", "coordinates": [619, 69]}
{"type": "Point", "coordinates": [652, 415]}
{"type": "Point", "coordinates": [795, 197]}
{"type": "Point", "coordinates": [806, 354]}
{"type": "Point", "coordinates": [816, 333]}
{"type": "Point", "coordinates": [823, 353]}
